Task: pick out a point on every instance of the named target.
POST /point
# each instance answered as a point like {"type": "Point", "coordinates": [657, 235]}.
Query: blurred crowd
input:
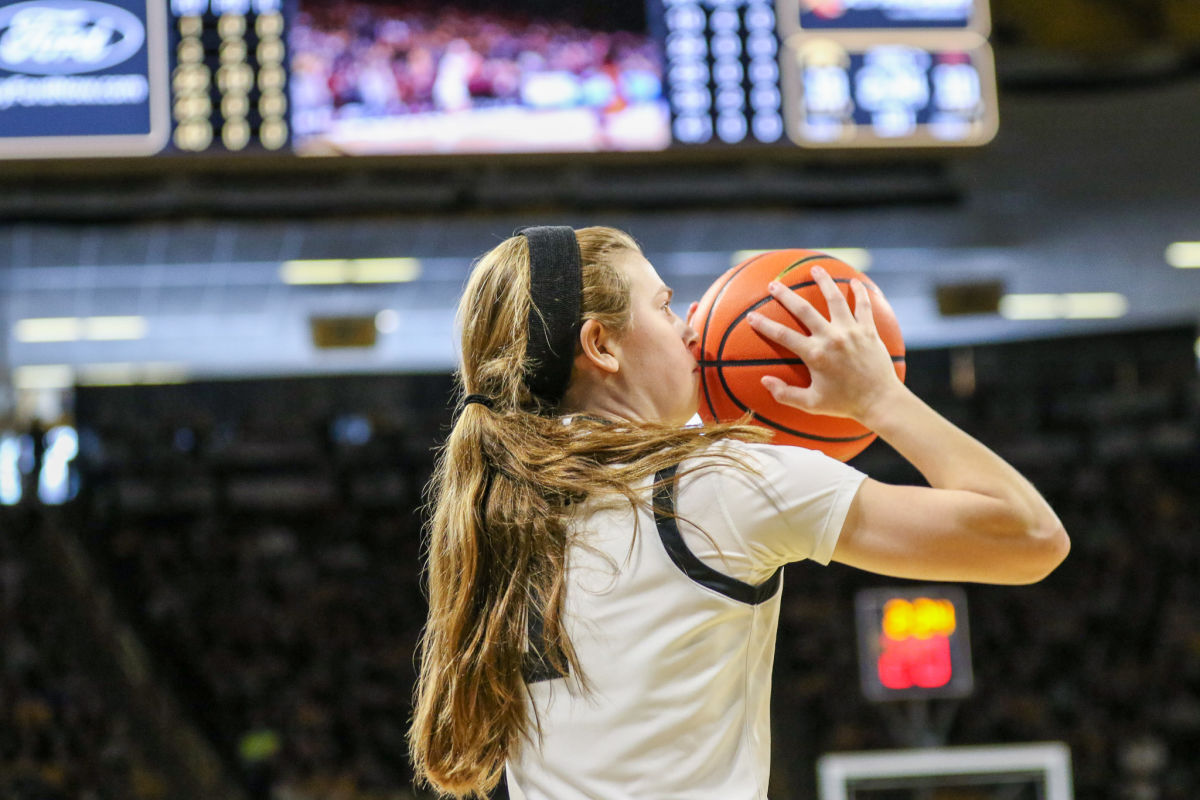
{"type": "Point", "coordinates": [292, 638]}
{"type": "Point", "coordinates": [357, 59]}
{"type": "Point", "coordinates": [271, 565]}
{"type": "Point", "coordinates": [270, 562]}
{"type": "Point", "coordinates": [61, 736]}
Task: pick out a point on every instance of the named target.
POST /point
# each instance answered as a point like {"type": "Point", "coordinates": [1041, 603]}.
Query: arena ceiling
{"type": "Point", "coordinates": [1082, 192]}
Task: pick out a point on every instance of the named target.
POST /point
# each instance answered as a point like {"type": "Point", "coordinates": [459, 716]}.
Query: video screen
{"type": "Point", "coordinates": [885, 14]}
{"type": "Point", "coordinates": [373, 78]}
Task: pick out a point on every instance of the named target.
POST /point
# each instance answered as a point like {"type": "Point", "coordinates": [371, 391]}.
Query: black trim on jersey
{"type": "Point", "coordinates": [689, 563]}
{"type": "Point", "coordinates": [538, 666]}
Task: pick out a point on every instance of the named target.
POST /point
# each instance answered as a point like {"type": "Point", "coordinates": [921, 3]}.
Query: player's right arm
{"type": "Point", "coordinates": [979, 519]}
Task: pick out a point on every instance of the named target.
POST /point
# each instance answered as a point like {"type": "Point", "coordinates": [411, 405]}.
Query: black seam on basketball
{"type": "Point", "coordinates": [764, 362]}
{"type": "Point", "coordinates": [708, 318]}
{"type": "Point", "coordinates": [757, 305]}
{"type": "Point", "coordinates": [785, 429]}
{"type": "Point", "coordinates": [795, 264]}
{"type": "Point", "coordinates": [753, 362]}
{"type": "Point", "coordinates": [729, 330]}
{"type": "Point", "coordinates": [769, 422]}
{"type": "Point", "coordinates": [721, 363]}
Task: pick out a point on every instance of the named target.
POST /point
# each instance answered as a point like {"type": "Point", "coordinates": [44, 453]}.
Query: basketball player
{"type": "Point", "coordinates": [604, 582]}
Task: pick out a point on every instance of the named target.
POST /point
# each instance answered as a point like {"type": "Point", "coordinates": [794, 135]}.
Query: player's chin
{"type": "Point", "coordinates": [681, 413]}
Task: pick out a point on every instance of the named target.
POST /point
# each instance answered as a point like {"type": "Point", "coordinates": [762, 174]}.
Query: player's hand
{"type": "Point", "coordinates": [691, 312]}
{"type": "Point", "coordinates": [851, 369]}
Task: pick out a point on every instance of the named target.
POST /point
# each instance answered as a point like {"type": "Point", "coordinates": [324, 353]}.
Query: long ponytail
{"type": "Point", "coordinates": [498, 532]}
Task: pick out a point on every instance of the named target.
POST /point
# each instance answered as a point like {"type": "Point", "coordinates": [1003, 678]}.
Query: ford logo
{"type": "Point", "coordinates": [65, 37]}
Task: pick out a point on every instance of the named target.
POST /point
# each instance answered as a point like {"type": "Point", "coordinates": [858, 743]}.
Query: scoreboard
{"type": "Point", "coordinates": [240, 95]}
{"type": "Point", "coordinates": [89, 78]}
{"type": "Point", "coordinates": [874, 72]}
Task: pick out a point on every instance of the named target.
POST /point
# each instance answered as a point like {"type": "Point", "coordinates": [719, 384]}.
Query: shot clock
{"type": "Point", "coordinates": [913, 643]}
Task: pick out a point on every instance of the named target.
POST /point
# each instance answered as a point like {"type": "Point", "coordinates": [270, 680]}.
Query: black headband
{"type": "Point", "coordinates": [556, 291]}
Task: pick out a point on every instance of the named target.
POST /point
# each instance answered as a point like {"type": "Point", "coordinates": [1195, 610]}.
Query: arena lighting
{"type": "Point", "coordinates": [72, 329]}
{"type": "Point", "coordinates": [44, 376]}
{"type": "Point", "coordinates": [327, 271]}
{"type": "Point", "coordinates": [387, 321]}
{"type": "Point", "coordinates": [107, 375]}
{"type": "Point", "coordinates": [114, 328]}
{"type": "Point", "coordinates": [54, 480]}
{"type": "Point", "coordinates": [131, 374]}
{"type": "Point", "coordinates": [857, 257]}
{"type": "Point", "coordinates": [1183, 255]}
{"type": "Point", "coordinates": [1072, 305]}
{"type": "Point", "coordinates": [10, 468]}
{"type": "Point", "coordinates": [48, 329]}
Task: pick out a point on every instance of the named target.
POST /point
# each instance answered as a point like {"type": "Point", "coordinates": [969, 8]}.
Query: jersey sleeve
{"type": "Point", "coordinates": [791, 507]}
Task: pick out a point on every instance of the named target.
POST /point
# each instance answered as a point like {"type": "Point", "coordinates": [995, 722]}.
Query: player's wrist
{"type": "Point", "coordinates": [884, 408]}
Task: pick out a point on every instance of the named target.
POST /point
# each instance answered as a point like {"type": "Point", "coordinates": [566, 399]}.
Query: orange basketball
{"type": "Point", "coordinates": [733, 357]}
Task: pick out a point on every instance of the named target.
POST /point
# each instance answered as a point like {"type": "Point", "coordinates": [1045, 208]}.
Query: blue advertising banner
{"type": "Point", "coordinates": [83, 78]}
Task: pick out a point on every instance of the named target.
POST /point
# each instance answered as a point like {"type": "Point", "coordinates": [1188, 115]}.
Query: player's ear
{"type": "Point", "coordinates": [596, 342]}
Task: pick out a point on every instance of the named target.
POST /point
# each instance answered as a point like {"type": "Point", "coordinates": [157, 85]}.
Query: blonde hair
{"type": "Point", "coordinates": [498, 535]}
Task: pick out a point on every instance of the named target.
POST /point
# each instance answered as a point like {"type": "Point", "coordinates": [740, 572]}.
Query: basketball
{"type": "Point", "coordinates": [733, 357]}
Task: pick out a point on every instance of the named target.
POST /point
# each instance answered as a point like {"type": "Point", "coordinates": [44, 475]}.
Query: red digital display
{"type": "Point", "coordinates": [913, 643]}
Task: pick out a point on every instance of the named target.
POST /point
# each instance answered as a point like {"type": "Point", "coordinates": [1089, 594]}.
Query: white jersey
{"type": "Point", "coordinates": [675, 632]}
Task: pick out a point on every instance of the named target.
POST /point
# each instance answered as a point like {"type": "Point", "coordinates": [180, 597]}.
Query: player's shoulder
{"type": "Point", "coordinates": [757, 456]}
{"type": "Point", "coordinates": [733, 466]}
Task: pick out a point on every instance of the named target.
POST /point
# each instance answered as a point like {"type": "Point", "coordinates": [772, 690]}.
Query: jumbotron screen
{"type": "Point", "coordinates": [421, 77]}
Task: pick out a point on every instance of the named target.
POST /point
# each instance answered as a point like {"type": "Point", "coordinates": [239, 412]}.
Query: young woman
{"type": "Point", "coordinates": [604, 581]}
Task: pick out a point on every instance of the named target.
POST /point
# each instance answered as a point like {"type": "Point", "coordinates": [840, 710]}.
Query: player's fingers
{"type": "Point", "coordinates": [781, 334]}
{"type": "Point", "coordinates": [785, 393]}
{"type": "Point", "coordinates": [839, 309]}
{"type": "Point", "coordinates": [798, 307]}
{"type": "Point", "coordinates": [691, 312]}
{"type": "Point", "coordinates": [862, 305]}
